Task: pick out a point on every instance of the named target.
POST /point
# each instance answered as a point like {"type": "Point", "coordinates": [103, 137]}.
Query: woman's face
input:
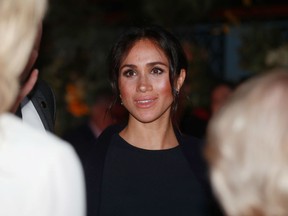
{"type": "Point", "coordinates": [144, 83]}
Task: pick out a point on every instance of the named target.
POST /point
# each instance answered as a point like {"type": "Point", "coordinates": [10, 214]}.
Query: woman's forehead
{"type": "Point", "coordinates": [145, 45]}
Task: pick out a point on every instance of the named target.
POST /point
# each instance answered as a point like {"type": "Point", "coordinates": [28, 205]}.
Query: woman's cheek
{"type": "Point", "coordinates": [164, 87]}
{"type": "Point", "coordinates": [125, 91]}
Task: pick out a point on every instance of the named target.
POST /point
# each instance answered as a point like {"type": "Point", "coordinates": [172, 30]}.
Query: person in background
{"type": "Point", "coordinates": [194, 121]}
{"type": "Point", "coordinates": [40, 175]}
{"type": "Point", "coordinates": [84, 136]}
{"type": "Point", "coordinates": [147, 167]}
{"type": "Point", "coordinates": [248, 147]}
{"type": "Point", "coordinates": [219, 95]}
{"type": "Point", "coordinates": [36, 103]}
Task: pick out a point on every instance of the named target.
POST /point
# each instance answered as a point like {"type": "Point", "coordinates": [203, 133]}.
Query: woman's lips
{"type": "Point", "coordinates": [145, 103]}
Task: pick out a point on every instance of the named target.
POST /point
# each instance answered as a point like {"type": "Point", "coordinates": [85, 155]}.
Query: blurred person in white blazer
{"type": "Point", "coordinates": [40, 175]}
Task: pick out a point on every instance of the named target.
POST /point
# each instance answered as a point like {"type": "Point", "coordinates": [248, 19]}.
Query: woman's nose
{"type": "Point", "coordinates": [144, 84]}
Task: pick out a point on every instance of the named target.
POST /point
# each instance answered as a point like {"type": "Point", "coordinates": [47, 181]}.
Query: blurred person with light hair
{"type": "Point", "coordinates": [247, 147]}
{"type": "Point", "coordinates": [40, 175]}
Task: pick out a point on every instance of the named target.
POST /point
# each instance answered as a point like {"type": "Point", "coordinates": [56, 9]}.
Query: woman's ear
{"type": "Point", "coordinates": [181, 79]}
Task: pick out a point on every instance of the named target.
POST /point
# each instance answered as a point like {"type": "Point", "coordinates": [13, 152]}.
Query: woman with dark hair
{"type": "Point", "coordinates": [147, 167]}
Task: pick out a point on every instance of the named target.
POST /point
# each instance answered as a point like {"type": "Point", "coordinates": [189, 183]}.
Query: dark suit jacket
{"type": "Point", "coordinates": [93, 166]}
{"type": "Point", "coordinates": [44, 102]}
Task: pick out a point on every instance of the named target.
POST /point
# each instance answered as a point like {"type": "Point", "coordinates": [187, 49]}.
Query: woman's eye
{"type": "Point", "coordinates": [129, 73]}
{"type": "Point", "coordinates": [157, 71]}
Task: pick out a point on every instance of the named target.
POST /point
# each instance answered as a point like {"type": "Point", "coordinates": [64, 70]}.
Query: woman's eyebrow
{"type": "Point", "coordinates": [149, 64]}
{"type": "Point", "coordinates": [128, 65]}
{"type": "Point", "coordinates": [157, 63]}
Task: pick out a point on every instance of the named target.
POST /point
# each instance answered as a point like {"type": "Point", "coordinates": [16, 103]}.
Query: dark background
{"type": "Point", "coordinates": [224, 40]}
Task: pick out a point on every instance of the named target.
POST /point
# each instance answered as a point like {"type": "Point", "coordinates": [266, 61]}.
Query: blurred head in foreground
{"type": "Point", "coordinates": [19, 21]}
{"type": "Point", "coordinates": [248, 147]}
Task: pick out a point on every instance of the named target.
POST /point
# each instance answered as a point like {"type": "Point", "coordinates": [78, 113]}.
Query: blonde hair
{"type": "Point", "coordinates": [247, 147]}
{"type": "Point", "coordinates": [19, 20]}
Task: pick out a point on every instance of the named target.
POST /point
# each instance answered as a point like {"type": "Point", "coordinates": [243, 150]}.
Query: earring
{"type": "Point", "coordinates": [121, 99]}
{"type": "Point", "coordinates": [176, 92]}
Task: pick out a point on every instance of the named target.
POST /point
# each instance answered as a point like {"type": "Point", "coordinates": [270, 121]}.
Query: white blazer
{"type": "Point", "coordinates": [40, 175]}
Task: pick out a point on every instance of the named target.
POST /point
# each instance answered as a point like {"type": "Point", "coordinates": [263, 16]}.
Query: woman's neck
{"type": "Point", "coordinates": [151, 136]}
